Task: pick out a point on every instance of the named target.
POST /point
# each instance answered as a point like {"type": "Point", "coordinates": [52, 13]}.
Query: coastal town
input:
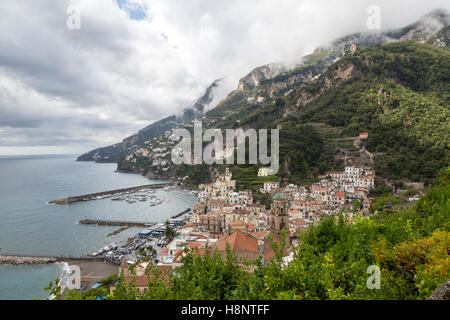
{"type": "Point", "coordinates": [223, 217]}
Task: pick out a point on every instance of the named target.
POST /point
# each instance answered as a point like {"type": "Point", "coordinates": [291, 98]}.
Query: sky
{"type": "Point", "coordinates": [69, 87]}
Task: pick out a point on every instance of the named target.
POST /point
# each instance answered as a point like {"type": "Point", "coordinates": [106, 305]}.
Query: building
{"type": "Point", "coordinates": [211, 223]}
{"type": "Point", "coordinates": [143, 275]}
{"type": "Point", "coordinates": [279, 218]}
{"type": "Point", "coordinates": [247, 246]}
{"type": "Point", "coordinates": [238, 226]}
{"type": "Point", "coordinates": [364, 135]}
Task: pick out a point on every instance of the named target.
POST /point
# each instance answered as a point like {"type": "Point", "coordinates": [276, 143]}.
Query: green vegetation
{"type": "Point", "coordinates": [196, 174]}
{"type": "Point", "coordinates": [411, 247]}
{"type": "Point", "coordinates": [170, 232]}
{"type": "Point", "coordinates": [401, 97]}
{"type": "Point", "coordinates": [301, 152]}
{"type": "Point", "coordinates": [247, 177]}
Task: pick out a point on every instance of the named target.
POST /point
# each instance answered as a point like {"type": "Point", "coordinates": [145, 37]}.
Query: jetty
{"type": "Point", "coordinates": [128, 224]}
{"type": "Point", "coordinates": [116, 223]}
{"type": "Point", "coordinates": [180, 214]}
{"type": "Point", "coordinates": [39, 260]}
{"type": "Point", "coordinates": [94, 196]}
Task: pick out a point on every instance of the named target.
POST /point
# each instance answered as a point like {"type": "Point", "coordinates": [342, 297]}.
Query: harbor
{"type": "Point", "coordinates": [54, 231]}
{"type": "Point", "coordinates": [145, 244]}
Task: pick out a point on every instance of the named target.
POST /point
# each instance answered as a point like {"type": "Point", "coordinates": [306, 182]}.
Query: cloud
{"type": "Point", "coordinates": [136, 61]}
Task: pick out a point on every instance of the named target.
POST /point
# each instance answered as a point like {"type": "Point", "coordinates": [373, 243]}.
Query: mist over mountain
{"type": "Point", "coordinates": [307, 94]}
{"type": "Point", "coordinates": [115, 152]}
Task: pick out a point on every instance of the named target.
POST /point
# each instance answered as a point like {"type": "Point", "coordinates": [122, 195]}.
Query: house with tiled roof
{"type": "Point", "coordinates": [298, 225]}
{"type": "Point", "coordinates": [144, 273]}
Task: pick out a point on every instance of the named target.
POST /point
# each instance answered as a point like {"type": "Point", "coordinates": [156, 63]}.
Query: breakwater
{"type": "Point", "coordinates": [126, 224]}
{"type": "Point", "coordinates": [93, 196]}
{"type": "Point", "coordinates": [181, 213]}
{"type": "Point", "coordinates": [116, 223]}
{"type": "Point", "coordinates": [38, 260]}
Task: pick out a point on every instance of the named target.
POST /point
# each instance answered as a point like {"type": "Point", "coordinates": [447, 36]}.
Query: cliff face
{"type": "Point", "coordinates": [441, 39]}
{"type": "Point", "coordinates": [254, 78]}
{"type": "Point", "coordinates": [274, 78]}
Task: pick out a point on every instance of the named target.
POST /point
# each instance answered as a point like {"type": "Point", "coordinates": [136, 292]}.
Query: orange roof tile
{"type": "Point", "coordinates": [192, 245]}
{"type": "Point", "coordinates": [238, 241]}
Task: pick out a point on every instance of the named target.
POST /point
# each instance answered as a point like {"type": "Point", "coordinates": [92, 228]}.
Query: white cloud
{"type": "Point", "coordinates": [79, 89]}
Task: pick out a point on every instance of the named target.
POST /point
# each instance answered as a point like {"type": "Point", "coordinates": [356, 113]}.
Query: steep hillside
{"type": "Point", "coordinates": [273, 80]}
{"type": "Point", "coordinates": [399, 93]}
{"type": "Point", "coordinates": [441, 39]}
{"type": "Point", "coordinates": [396, 90]}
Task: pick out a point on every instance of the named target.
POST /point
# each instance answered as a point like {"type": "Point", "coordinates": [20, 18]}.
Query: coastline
{"type": "Point", "coordinates": [45, 224]}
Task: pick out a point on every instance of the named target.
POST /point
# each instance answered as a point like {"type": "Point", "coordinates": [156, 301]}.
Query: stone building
{"type": "Point", "coordinates": [211, 223]}
{"type": "Point", "coordinates": [279, 217]}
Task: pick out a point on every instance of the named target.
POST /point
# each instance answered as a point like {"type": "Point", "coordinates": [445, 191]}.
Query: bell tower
{"type": "Point", "coordinates": [279, 218]}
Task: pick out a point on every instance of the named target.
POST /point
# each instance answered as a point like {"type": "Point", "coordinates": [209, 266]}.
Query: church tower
{"type": "Point", "coordinates": [279, 217]}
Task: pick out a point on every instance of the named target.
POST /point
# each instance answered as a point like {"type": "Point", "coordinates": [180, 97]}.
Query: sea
{"type": "Point", "coordinates": [30, 226]}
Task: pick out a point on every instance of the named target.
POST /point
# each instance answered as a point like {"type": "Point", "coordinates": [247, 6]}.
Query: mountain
{"type": "Point", "coordinates": [253, 79]}
{"type": "Point", "coordinates": [393, 85]}
{"type": "Point", "coordinates": [398, 92]}
{"type": "Point", "coordinates": [117, 151]}
{"type": "Point", "coordinates": [275, 79]}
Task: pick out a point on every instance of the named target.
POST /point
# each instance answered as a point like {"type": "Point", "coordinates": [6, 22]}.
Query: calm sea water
{"type": "Point", "coordinates": [29, 226]}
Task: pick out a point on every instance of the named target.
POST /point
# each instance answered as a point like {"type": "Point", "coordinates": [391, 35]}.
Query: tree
{"type": "Point", "coordinates": [170, 233]}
